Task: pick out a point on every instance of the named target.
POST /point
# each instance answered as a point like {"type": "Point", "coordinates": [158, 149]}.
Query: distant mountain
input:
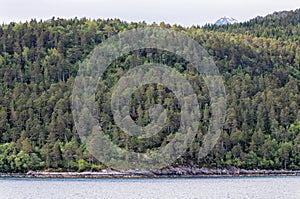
{"type": "Point", "coordinates": [48, 20]}
{"type": "Point", "coordinates": [278, 25]}
{"type": "Point", "coordinates": [226, 20]}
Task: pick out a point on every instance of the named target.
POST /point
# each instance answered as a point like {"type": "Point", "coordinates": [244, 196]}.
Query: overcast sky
{"type": "Point", "coordinates": [184, 12]}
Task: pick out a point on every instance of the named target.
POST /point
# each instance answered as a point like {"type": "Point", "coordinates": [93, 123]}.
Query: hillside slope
{"type": "Point", "coordinates": [39, 61]}
{"type": "Point", "coordinates": [284, 26]}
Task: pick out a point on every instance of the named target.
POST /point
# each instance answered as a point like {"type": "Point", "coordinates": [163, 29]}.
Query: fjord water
{"type": "Point", "coordinates": [240, 187]}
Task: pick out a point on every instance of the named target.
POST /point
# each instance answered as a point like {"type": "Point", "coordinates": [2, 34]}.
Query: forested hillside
{"type": "Point", "coordinates": [279, 25]}
{"type": "Point", "coordinates": [259, 60]}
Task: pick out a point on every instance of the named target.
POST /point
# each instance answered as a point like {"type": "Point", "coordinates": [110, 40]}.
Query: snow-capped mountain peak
{"type": "Point", "coordinates": [226, 20]}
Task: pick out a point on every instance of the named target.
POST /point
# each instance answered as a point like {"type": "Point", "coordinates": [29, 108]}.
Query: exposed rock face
{"type": "Point", "coordinates": [167, 172]}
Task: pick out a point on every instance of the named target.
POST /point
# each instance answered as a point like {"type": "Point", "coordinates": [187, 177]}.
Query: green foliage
{"type": "Point", "coordinates": [82, 165]}
{"type": "Point", "coordinates": [258, 59]}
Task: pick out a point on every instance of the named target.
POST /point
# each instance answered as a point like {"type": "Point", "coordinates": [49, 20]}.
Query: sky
{"type": "Point", "coordinates": [183, 12]}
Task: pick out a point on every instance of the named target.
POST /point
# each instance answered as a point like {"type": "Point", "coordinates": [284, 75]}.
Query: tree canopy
{"type": "Point", "coordinates": [259, 60]}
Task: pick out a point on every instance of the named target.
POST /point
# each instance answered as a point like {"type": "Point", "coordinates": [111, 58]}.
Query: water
{"type": "Point", "coordinates": [242, 187]}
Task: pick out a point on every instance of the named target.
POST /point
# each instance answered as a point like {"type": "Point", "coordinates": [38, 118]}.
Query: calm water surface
{"type": "Point", "coordinates": [243, 187]}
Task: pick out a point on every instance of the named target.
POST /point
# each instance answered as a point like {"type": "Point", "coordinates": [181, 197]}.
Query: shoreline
{"type": "Point", "coordinates": [165, 173]}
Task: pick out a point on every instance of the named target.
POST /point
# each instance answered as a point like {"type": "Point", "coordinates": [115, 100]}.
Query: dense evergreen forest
{"type": "Point", "coordinates": [259, 60]}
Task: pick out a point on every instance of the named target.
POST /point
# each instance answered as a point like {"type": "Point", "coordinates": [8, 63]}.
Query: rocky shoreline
{"type": "Point", "coordinates": [162, 173]}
